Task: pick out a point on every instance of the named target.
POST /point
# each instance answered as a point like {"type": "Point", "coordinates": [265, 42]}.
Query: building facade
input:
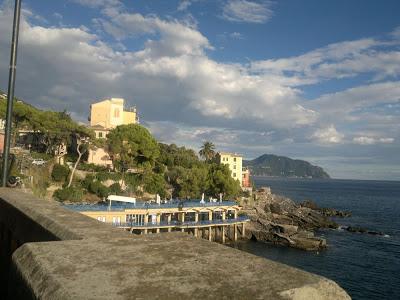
{"type": "Point", "coordinates": [110, 113]}
{"type": "Point", "coordinates": [104, 116]}
{"type": "Point", "coordinates": [234, 161]}
{"type": "Point", "coordinates": [246, 178]}
{"type": "Point", "coordinates": [203, 219]}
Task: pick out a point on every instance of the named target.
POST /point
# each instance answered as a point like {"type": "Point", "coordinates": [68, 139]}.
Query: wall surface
{"type": "Point", "coordinates": [48, 252]}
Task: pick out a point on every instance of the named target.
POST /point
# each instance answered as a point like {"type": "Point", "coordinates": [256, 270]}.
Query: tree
{"type": "Point", "coordinates": [82, 135]}
{"type": "Point", "coordinates": [132, 146]}
{"type": "Point", "coordinates": [220, 181]}
{"type": "Point", "coordinates": [207, 151]}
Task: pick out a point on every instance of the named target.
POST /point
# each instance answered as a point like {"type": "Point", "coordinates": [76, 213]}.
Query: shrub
{"type": "Point", "coordinates": [115, 189]}
{"type": "Point", "coordinates": [59, 173]}
{"type": "Point", "coordinates": [85, 183]}
{"type": "Point", "coordinates": [155, 184]}
{"type": "Point", "coordinates": [102, 176]}
{"type": "Point", "coordinates": [73, 194]}
{"type": "Point", "coordinates": [91, 168]}
{"type": "Point", "coordinates": [44, 156]}
{"type": "Point", "coordinates": [97, 188]}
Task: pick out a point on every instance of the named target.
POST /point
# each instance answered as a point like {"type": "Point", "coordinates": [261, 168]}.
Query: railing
{"type": "Point", "coordinates": [173, 204]}
{"type": "Point", "coordinates": [184, 224]}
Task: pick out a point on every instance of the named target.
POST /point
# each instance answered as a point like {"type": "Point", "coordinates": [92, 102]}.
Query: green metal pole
{"type": "Point", "coordinates": [10, 94]}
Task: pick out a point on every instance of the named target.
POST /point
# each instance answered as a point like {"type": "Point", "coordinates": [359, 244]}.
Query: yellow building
{"type": "Point", "coordinates": [104, 116]}
{"type": "Point", "coordinates": [110, 113]}
{"type": "Point", "coordinates": [234, 161]}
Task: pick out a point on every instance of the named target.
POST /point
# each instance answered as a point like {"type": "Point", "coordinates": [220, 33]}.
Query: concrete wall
{"type": "Point", "coordinates": [48, 252]}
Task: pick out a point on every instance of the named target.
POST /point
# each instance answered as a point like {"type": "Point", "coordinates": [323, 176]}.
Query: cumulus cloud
{"type": "Point", "coordinates": [247, 11]}
{"type": "Point", "coordinates": [185, 96]}
{"type": "Point", "coordinates": [171, 78]}
{"type": "Point", "coordinates": [328, 135]}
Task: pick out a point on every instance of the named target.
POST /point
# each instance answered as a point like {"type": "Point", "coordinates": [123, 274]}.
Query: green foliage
{"type": "Point", "coordinates": [73, 194]}
{"type": "Point", "coordinates": [59, 173]}
{"type": "Point", "coordinates": [154, 184]}
{"type": "Point", "coordinates": [39, 155]}
{"type": "Point", "coordinates": [91, 167]}
{"type": "Point", "coordinates": [188, 182]}
{"type": "Point", "coordinates": [172, 155]}
{"type": "Point", "coordinates": [132, 146]}
{"type": "Point", "coordinates": [103, 176]}
{"type": "Point", "coordinates": [85, 183]}
{"type": "Point", "coordinates": [115, 189]}
{"type": "Point", "coordinates": [207, 151]}
{"type": "Point", "coordinates": [132, 181]}
{"type": "Point", "coordinates": [96, 187]}
{"type": "Point", "coordinates": [220, 181]}
{"type": "Point", "coordinates": [52, 128]}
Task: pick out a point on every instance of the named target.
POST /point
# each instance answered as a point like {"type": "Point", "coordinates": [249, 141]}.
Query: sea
{"type": "Point", "coordinates": [366, 266]}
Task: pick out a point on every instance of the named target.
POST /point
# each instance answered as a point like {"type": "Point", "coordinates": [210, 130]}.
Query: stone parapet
{"type": "Point", "coordinates": [49, 252]}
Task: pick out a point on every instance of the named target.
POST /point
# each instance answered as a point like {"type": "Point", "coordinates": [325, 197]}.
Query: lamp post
{"type": "Point", "coordinates": [10, 94]}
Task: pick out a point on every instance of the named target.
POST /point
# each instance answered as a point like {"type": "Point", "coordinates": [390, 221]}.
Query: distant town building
{"type": "Point", "coordinates": [110, 113]}
{"type": "Point", "coordinates": [104, 116]}
{"type": "Point", "coordinates": [246, 178]}
{"type": "Point", "coordinates": [234, 161]}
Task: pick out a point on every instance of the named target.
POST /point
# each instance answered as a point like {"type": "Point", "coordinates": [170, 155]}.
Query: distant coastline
{"type": "Point", "coordinates": [285, 167]}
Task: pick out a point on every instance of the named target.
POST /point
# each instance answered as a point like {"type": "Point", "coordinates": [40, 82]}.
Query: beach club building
{"type": "Point", "coordinates": [213, 220]}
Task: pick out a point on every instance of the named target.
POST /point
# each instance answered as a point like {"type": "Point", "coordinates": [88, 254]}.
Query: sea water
{"type": "Point", "coordinates": [366, 266]}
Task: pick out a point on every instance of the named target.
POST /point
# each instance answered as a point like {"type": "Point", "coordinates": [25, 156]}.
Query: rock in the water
{"type": "Point", "coordinates": [281, 221]}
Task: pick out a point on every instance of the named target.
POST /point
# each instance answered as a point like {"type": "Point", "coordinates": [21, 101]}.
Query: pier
{"type": "Point", "coordinates": [215, 221]}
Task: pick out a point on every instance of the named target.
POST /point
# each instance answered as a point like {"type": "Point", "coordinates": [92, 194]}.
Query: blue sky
{"type": "Point", "coordinates": [315, 80]}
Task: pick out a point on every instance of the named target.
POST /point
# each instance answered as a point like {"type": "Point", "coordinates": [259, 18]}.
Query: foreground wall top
{"type": "Point", "coordinates": [65, 255]}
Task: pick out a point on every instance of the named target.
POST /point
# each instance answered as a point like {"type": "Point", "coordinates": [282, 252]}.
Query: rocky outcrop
{"type": "Point", "coordinates": [329, 212]}
{"type": "Point", "coordinates": [281, 221]}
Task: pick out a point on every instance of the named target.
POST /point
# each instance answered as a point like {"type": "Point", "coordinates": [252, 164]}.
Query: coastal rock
{"type": "Point", "coordinates": [357, 229]}
{"type": "Point", "coordinates": [328, 212]}
{"type": "Point", "coordinates": [281, 221]}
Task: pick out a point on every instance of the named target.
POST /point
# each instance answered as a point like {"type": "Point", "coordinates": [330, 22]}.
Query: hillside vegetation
{"type": "Point", "coordinates": [142, 165]}
{"type": "Point", "coordinates": [281, 166]}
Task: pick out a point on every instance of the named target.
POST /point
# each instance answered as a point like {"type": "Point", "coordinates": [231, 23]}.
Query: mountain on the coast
{"type": "Point", "coordinates": [281, 166]}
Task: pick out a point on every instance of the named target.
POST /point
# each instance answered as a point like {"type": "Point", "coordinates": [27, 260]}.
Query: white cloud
{"type": "Point", "coordinates": [236, 35]}
{"type": "Point", "coordinates": [185, 96]}
{"type": "Point", "coordinates": [365, 140]}
{"type": "Point", "coordinates": [328, 135]}
{"type": "Point", "coordinates": [170, 78]}
{"type": "Point", "coordinates": [348, 101]}
{"type": "Point", "coordinates": [247, 11]}
{"type": "Point", "coordinates": [184, 5]}
{"type": "Point", "coordinates": [98, 3]}
{"type": "Point", "coordinates": [338, 60]}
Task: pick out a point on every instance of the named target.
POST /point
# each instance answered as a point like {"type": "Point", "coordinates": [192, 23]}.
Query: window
{"type": "Point", "coordinates": [234, 174]}
{"type": "Point", "coordinates": [100, 134]}
{"type": "Point", "coordinates": [234, 159]}
{"type": "Point", "coordinates": [234, 167]}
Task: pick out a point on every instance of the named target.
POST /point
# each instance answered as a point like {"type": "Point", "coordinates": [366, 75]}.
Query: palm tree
{"type": "Point", "coordinates": [207, 151]}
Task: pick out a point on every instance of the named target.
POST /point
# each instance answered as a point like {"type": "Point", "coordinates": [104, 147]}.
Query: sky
{"type": "Point", "coordinates": [314, 80]}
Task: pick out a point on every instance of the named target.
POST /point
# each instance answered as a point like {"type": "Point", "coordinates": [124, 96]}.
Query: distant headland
{"type": "Point", "coordinates": [282, 166]}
